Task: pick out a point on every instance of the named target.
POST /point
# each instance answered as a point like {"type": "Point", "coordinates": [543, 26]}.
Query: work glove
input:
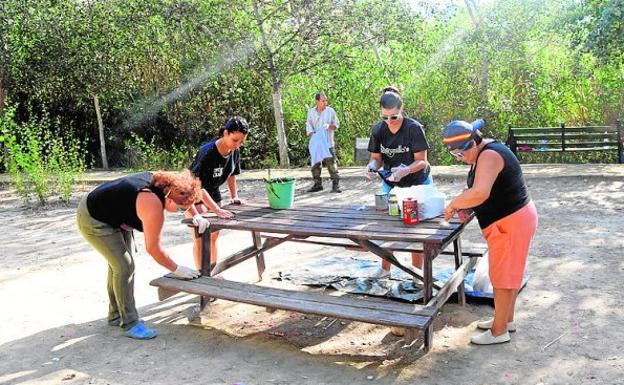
{"type": "Point", "coordinates": [398, 173]}
{"type": "Point", "coordinates": [201, 223]}
{"type": "Point", "coordinates": [186, 272]}
{"type": "Point", "coordinates": [371, 170]}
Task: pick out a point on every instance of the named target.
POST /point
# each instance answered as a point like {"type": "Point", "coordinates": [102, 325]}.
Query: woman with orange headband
{"type": "Point", "coordinates": [508, 219]}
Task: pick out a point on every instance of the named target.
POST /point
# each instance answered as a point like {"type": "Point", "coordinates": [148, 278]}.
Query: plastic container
{"type": "Point", "coordinates": [281, 192]}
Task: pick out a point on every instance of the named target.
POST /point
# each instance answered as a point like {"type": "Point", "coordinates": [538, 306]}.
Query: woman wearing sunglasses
{"type": "Point", "coordinates": [106, 217]}
{"type": "Point", "coordinates": [218, 162]}
{"type": "Point", "coordinates": [507, 217]}
{"type": "Point", "coordinates": [399, 144]}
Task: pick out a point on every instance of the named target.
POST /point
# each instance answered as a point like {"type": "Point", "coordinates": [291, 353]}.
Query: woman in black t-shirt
{"type": "Point", "coordinates": [218, 162]}
{"type": "Point", "coordinates": [399, 144]}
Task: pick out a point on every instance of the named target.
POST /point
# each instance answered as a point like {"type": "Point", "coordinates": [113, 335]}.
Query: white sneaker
{"type": "Point", "coordinates": [380, 272]}
{"type": "Point", "coordinates": [487, 325]}
{"type": "Point", "coordinates": [487, 338]}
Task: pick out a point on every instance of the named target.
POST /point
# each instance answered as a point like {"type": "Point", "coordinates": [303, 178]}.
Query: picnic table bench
{"type": "Point", "coordinates": [566, 139]}
{"type": "Point", "coordinates": [354, 227]}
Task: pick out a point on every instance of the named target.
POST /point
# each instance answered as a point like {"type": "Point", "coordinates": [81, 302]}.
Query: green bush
{"type": "Point", "coordinates": [142, 155]}
{"type": "Point", "coordinates": [39, 161]}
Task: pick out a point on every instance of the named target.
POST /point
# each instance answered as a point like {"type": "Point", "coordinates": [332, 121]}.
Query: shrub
{"type": "Point", "coordinates": [39, 161]}
{"type": "Point", "coordinates": [142, 155]}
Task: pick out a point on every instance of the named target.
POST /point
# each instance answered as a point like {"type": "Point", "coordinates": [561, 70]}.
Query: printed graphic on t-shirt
{"type": "Point", "coordinates": [391, 152]}
{"type": "Point", "coordinates": [217, 172]}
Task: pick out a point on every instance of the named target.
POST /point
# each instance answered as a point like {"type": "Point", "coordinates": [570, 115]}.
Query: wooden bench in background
{"type": "Point", "coordinates": [566, 139]}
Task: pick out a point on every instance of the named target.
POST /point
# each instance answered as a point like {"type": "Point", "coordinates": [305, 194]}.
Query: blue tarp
{"type": "Point", "coordinates": [350, 275]}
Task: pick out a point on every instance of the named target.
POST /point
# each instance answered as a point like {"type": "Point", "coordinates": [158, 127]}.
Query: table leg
{"type": "Point", "coordinates": [257, 240]}
{"type": "Point", "coordinates": [461, 295]}
{"type": "Point", "coordinates": [430, 251]}
{"type": "Point", "coordinates": [206, 265]}
{"type": "Point", "coordinates": [428, 338]}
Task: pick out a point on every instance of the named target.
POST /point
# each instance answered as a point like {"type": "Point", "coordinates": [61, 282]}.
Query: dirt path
{"type": "Point", "coordinates": [52, 291]}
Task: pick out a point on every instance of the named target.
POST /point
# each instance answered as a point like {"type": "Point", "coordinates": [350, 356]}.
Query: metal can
{"type": "Point", "coordinates": [393, 205]}
{"type": "Point", "coordinates": [381, 201]}
{"type": "Point", "coordinates": [410, 211]}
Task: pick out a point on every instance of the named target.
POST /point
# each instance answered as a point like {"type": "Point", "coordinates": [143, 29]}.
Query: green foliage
{"type": "Point", "coordinates": [598, 27]}
{"type": "Point", "coordinates": [169, 72]}
{"type": "Point", "coordinates": [40, 162]}
{"type": "Point", "coordinates": [144, 155]}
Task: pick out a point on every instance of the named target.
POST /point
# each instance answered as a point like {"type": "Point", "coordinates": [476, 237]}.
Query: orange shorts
{"type": "Point", "coordinates": [508, 241]}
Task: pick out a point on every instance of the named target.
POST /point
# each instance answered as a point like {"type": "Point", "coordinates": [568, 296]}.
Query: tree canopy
{"type": "Point", "coordinates": [171, 71]}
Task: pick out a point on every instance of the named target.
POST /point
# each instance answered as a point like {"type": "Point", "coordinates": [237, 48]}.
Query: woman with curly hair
{"type": "Point", "coordinates": [106, 217]}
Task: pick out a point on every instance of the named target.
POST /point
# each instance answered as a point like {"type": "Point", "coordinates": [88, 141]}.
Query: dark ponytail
{"type": "Point", "coordinates": [235, 124]}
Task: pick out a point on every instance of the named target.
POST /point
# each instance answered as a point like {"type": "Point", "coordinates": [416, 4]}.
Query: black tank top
{"type": "Point", "coordinates": [114, 202]}
{"type": "Point", "coordinates": [509, 193]}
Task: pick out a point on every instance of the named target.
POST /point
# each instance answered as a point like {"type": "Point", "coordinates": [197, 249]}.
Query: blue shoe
{"type": "Point", "coordinates": [141, 332]}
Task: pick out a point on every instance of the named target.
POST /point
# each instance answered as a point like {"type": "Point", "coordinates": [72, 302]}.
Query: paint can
{"type": "Point", "coordinates": [410, 211]}
{"type": "Point", "coordinates": [381, 201]}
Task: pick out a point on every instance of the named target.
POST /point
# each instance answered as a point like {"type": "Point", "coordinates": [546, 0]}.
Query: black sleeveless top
{"type": "Point", "coordinates": [114, 202]}
{"type": "Point", "coordinates": [509, 193]}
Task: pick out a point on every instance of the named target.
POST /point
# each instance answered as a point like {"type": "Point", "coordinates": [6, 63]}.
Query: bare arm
{"type": "Point", "coordinates": [231, 182]}
{"type": "Point", "coordinates": [151, 213]}
{"type": "Point", "coordinates": [375, 157]}
{"type": "Point", "coordinates": [213, 206]}
{"type": "Point", "coordinates": [420, 162]}
{"type": "Point", "coordinates": [489, 166]}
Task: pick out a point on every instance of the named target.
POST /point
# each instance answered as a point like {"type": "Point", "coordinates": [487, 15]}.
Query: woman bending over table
{"type": "Point", "coordinates": [106, 218]}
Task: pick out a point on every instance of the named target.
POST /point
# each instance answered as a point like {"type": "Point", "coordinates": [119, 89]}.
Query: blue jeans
{"type": "Point", "coordinates": [385, 187]}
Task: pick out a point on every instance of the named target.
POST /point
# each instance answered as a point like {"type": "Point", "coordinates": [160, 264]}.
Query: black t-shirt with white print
{"type": "Point", "coordinates": [213, 169]}
{"type": "Point", "coordinates": [399, 148]}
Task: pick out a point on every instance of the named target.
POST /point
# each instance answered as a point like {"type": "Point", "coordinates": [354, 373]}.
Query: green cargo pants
{"type": "Point", "coordinates": [116, 246]}
{"type": "Point", "coordinates": [332, 167]}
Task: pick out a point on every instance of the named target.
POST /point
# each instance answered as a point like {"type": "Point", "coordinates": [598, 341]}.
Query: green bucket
{"type": "Point", "coordinates": [281, 192]}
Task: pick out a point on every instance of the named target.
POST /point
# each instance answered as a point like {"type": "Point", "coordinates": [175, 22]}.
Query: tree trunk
{"type": "Point", "coordinates": [3, 96]}
{"type": "Point", "coordinates": [279, 124]}
{"type": "Point", "coordinates": [96, 102]}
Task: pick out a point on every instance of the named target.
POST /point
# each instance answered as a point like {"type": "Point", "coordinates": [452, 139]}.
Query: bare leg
{"type": "Point", "coordinates": [504, 303]}
{"type": "Point", "coordinates": [213, 247]}
{"type": "Point", "coordinates": [417, 260]}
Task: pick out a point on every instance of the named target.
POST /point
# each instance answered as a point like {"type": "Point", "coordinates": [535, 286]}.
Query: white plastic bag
{"type": "Point", "coordinates": [430, 200]}
{"type": "Point", "coordinates": [481, 280]}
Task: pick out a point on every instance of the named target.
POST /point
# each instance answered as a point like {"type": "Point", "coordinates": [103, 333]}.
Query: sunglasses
{"type": "Point", "coordinates": [459, 153]}
{"type": "Point", "coordinates": [391, 117]}
{"type": "Point", "coordinates": [178, 207]}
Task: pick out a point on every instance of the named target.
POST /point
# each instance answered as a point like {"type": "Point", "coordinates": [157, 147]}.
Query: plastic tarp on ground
{"type": "Point", "coordinates": [350, 275]}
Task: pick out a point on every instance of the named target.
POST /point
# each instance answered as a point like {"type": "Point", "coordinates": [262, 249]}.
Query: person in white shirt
{"type": "Point", "coordinates": [322, 120]}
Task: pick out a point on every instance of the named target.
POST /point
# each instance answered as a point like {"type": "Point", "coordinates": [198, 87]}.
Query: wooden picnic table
{"type": "Point", "coordinates": [357, 227]}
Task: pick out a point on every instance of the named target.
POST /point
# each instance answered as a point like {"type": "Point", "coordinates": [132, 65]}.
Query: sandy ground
{"type": "Point", "coordinates": [52, 292]}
